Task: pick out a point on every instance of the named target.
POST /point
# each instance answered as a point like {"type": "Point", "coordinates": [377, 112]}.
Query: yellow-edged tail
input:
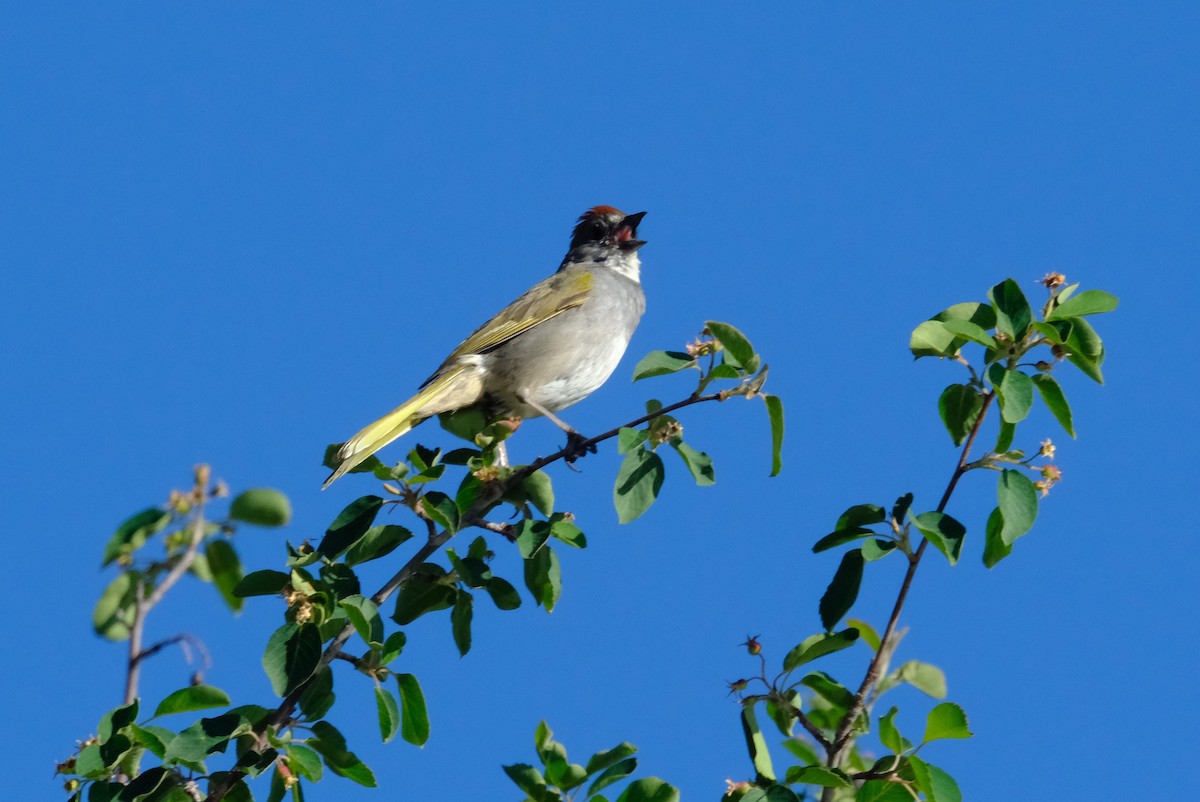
{"type": "Point", "coordinates": [458, 387]}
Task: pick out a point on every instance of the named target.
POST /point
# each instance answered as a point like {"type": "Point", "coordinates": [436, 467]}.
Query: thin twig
{"type": "Point", "coordinates": [843, 737]}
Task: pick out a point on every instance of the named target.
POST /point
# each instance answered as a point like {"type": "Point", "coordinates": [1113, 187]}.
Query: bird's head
{"type": "Point", "coordinates": [605, 229]}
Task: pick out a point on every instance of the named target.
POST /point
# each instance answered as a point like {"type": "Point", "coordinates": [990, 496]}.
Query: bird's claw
{"type": "Point", "coordinates": [577, 446]}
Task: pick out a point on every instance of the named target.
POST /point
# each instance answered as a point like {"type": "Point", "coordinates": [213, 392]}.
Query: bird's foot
{"type": "Point", "coordinates": [577, 446]}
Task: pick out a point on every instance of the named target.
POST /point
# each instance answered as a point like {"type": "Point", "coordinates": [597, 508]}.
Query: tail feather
{"type": "Point", "coordinates": [458, 387]}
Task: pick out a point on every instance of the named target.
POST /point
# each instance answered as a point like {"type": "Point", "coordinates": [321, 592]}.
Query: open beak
{"type": "Point", "coordinates": [627, 232]}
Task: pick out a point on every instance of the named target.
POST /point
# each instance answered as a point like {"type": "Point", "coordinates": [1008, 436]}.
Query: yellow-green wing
{"type": "Point", "coordinates": [549, 298]}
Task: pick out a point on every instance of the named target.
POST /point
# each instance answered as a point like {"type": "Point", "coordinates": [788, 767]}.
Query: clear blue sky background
{"type": "Point", "coordinates": [234, 234]}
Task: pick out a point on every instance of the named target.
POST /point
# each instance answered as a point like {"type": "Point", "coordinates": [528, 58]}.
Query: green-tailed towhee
{"type": "Point", "coordinates": [548, 349]}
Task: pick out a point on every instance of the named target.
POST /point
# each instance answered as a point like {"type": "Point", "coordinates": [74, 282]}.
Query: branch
{"type": "Point", "coordinates": [494, 492]}
{"type": "Point", "coordinates": [143, 606]}
{"type": "Point", "coordinates": [842, 737]}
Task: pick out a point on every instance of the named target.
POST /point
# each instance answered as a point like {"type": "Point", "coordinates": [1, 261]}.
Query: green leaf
{"type": "Point", "coordinates": [423, 592]}
{"type": "Point", "coordinates": [563, 528]}
{"type": "Point", "coordinates": [389, 713]}
{"type": "Point", "coordinates": [460, 621]}
{"type": "Point", "coordinates": [261, 506]}
{"type": "Point", "coordinates": [946, 720]}
{"type": "Point", "coordinates": [1005, 437]}
{"type": "Point", "coordinates": [932, 338]}
{"type": "Point", "coordinates": [866, 632]}
{"type": "Point", "coordinates": [117, 719]}
{"type": "Point", "coordinates": [226, 571]}
{"type": "Point", "coordinates": [393, 647]}
{"type": "Point", "coordinates": [364, 615]}
{"type": "Point", "coordinates": [292, 655]}
{"type": "Point", "coordinates": [775, 414]}
{"type": "Point", "coordinates": [970, 331]}
{"type": "Point", "coordinates": [1088, 302]}
{"type": "Point", "coordinates": [1015, 392]}
{"type": "Point", "coordinates": [841, 537]}
{"type": "Point", "coordinates": [738, 351]}
{"type": "Point", "coordinates": [698, 462]}
{"type": "Point", "coordinates": [829, 689]}
{"type": "Point", "coordinates": [541, 492]}
{"type": "Point", "coordinates": [638, 483]}
{"type": "Point", "coordinates": [543, 577]}
{"type": "Point", "coordinates": [889, 736]}
{"type": "Point", "coordinates": [928, 679]}
{"type": "Point", "coordinates": [318, 697]}
{"type": "Point", "coordinates": [818, 775]}
{"type": "Point", "coordinates": [531, 536]}
{"type": "Point", "coordinates": [861, 515]}
{"type": "Point", "coordinates": [379, 541]}
{"type": "Point", "coordinates": [994, 547]}
{"type": "Point", "coordinates": [756, 744]}
{"type": "Point", "coordinates": [937, 784]}
{"type": "Point", "coordinates": [944, 532]}
{"type": "Point", "coordinates": [350, 525]}
{"type": "Point", "coordinates": [330, 744]}
{"type": "Point", "coordinates": [304, 762]}
{"type": "Point", "coordinates": [133, 532]}
{"type": "Point", "coordinates": [611, 774]}
{"type": "Point", "coordinates": [527, 778]}
{"type": "Point", "coordinates": [503, 594]}
{"type": "Point", "coordinates": [114, 609]}
{"type": "Point", "coordinates": [609, 757]}
{"type": "Point", "coordinates": [207, 736]}
{"type": "Point", "coordinates": [1018, 503]}
{"type": "Point", "coordinates": [842, 592]}
{"type": "Point", "coordinates": [959, 406]}
{"type": "Point", "coordinates": [818, 646]}
{"type": "Point", "coordinates": [660, 363]}
{"type": "Point", "coordinates": [876, 548]}
{"type": "Point", "coordinates": [1055, 401]}
{"type": "Point", "coordinates": [262, 583]}
{"type": "Point", "coordinates": [630, 439]}
{"type": "Point", "coordinates": [649, 789]}
{"type": "Point", "coordinates": [1013, 314]}
{"type": "Point", "coordinates": [154, 738]}
{"type": "Point", "coordinates": [441, 509]}
{"type": "Point", "coordinates": [196, 697]}
{"type": "Point", "coordinates": [882, 791]}
{"type": "Point", "coordinates": [414, 721]}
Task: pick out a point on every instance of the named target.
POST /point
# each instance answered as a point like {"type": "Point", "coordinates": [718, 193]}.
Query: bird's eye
{"type": "Point", "coordinates": [599, 229]}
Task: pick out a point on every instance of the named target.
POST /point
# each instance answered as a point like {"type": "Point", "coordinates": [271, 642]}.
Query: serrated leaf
{"type": "Point", "coordinates": [927, 678]}
{"type": "Point", "coordinates": [414, 721]}
{"type": "Point", "coordinates": [946, 720]}
{"type": "Point", "coordinates": [842, 591]}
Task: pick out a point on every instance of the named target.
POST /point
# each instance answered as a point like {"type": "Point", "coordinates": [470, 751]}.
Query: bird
{"type": "Point", "coordinates": [553, 346]}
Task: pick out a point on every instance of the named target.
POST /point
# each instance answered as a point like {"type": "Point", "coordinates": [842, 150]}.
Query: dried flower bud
{"type": "Point", "coordinates": [1053, 280]}
{"type": "Point", "coordinates": [1043, 365]}
{"type": "Point", "coordinates": [202, 473]}
{"type": "Point", "coordinates": [488, 473]}
{"type": "Point", "coordinates": [738, 685]}
{"type": "Point", "coordinates": [735, 787]}
{"type": "Point", "coordinates": [220, 489]}
{"type": "Point", "coordinates": [1047, 449]}
{"type": "Point", "coordinates": [752, 645]}
{"type": "Point", "coordinates": [699, 347]}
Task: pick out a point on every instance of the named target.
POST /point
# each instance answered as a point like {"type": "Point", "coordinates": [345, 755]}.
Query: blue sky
{"type": "Point", "coordinates": [233, 235]}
